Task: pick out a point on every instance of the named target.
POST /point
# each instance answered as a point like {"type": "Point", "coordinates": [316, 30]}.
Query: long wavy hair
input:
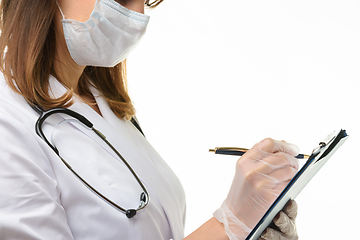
{"type": "Point", "coordinates": [28, 51]}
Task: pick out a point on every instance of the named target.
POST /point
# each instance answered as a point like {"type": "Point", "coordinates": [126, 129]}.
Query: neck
{"type": "Point", "coordinates": [68, 73]}
{"type": "Point", "coordinates": [67, 70]}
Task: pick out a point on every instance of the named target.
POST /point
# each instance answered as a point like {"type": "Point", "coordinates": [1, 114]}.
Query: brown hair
{"type": "Point", "coordinates": [27, 53]}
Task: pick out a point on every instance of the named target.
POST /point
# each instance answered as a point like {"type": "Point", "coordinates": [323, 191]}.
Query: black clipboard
{"type": "Point", "coordinates": [318, 158]}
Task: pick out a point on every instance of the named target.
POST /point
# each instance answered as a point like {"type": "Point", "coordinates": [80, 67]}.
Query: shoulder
{"type": "Point", "coordinates": [19, 143]}
{"type": "Point", "coordinates": [29, 192]}
{"type": "Point", "coordinates": [14, 107]}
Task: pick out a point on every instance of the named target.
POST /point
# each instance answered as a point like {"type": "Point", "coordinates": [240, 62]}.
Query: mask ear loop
{"type": "Point", "coordinates": [62, 14]}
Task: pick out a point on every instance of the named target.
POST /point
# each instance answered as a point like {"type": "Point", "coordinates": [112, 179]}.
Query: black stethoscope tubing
{"type": "Point", "coordinates": [144, 197]}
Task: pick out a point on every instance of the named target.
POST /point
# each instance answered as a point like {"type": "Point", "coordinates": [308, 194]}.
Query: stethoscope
{"type": "Point", "coordinates": [144, 196]}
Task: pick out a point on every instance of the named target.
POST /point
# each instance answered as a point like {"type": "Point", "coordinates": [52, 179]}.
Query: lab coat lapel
{"type": "Point", "coordinates": [140, 161]}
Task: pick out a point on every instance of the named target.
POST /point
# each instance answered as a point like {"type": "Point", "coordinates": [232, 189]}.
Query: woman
{"type": "Point", "coordinates": [71, 54]}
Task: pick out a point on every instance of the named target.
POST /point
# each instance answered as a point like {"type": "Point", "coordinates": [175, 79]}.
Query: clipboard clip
{"type": "Point", "coordinates": [323, 144]}
{"type": "Point", "coordinates": [326, 146]}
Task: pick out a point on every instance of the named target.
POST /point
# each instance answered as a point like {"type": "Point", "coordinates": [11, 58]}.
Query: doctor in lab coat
{"type": "Point", "coordinates": [39, 197]}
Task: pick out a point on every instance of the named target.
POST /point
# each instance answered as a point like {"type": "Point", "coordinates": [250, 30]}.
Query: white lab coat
{"type": "Point", "coordinates": [41, 199]}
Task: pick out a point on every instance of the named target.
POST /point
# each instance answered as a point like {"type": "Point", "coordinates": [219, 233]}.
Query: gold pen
{"type": "Point", "coordinates": [240, 151]}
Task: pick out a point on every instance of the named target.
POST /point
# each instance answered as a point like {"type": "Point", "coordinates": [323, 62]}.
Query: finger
{"type": "Point", "coordinates": [263, 182]}
{"type": "Point", "coordinates": [271, 234]}
{"type": "Point", "coordinates": [291, 209]}
{"type": "Point", "coordinates": [276, 161]}
{"type": "Point", "coordinates": [269, 189]}
{"type": "Point", "coordinates": [282, 159]}
{"type": "Point", "coordinates": [275, 181]}
{"type": "Point", "coordinates": [276, 190]}
{"type": "Point", "coordinates": [284, 174]}
{"type": "Point", "coordinates": [273, 146]}
{"type": "Point", "coordinates": [267, 148]}
{"type": "Point", "coordinates": [285, 224]}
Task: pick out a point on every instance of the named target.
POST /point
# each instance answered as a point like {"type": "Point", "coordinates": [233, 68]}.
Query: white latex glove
{"type": "Point", "coordinates": [285, 221]}
{"type": "Point", "coordinates": [261, 175]}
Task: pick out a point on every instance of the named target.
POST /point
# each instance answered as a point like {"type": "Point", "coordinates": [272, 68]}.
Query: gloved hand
{"type": "Point", "coordinates": [261, 175]}
{"type": "Point", "coordinates": [285, 221]}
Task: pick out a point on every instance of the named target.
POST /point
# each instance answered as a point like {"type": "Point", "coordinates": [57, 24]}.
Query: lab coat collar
{"type": "Point", "coordinates": [117, 133]}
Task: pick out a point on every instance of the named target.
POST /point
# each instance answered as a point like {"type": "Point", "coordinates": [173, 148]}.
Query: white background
{"type": "Point", "coordinates": [230, 73]}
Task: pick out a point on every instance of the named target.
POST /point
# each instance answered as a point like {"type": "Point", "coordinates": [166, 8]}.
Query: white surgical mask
{"type": "Point", "coordinates": [107, 37]}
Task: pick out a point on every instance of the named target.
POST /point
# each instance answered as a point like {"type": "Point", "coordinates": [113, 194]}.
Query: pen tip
{"type": "Point", "coordinates": [211, 150]}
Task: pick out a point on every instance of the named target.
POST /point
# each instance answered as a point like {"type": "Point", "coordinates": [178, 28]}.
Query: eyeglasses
{"type": "Point", "coordinates": [144, 196]}
{"type": "Point", "coordinates": [153, 3]}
